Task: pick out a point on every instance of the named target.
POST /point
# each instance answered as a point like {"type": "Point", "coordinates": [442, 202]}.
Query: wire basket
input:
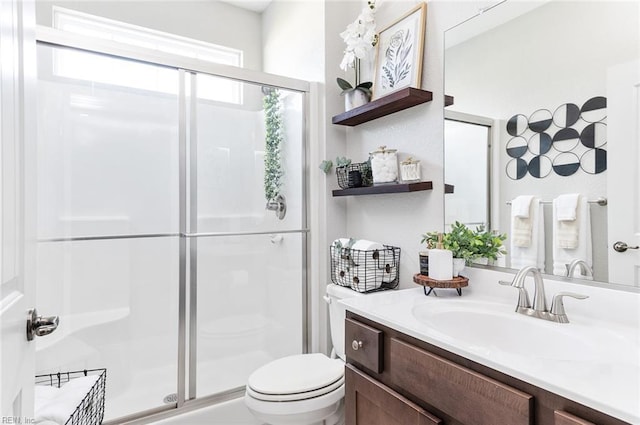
{"type": "Point", "coordinates": [365, 271]}
{"type": "Point", "coordinates": [90, 411]}
{"type": "Point", "coordinates": [354, 175]}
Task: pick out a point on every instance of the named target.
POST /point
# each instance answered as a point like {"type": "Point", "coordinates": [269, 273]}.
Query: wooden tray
{"type": "Point", "coordinates": [456, 283]}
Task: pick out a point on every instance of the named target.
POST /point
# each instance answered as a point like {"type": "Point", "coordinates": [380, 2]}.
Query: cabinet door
{"type": "Point", "coordinates": [564, 418]}
{"type": "Point", "coordinates": [363, 345]}
{"type": "Point", "coordinates": [369, 402]}
{"type": "Point", "coordinates": [469, 397]}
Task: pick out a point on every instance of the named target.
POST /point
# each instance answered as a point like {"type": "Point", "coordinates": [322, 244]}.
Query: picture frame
{"type": "Point", "coordinates": [399, 53]}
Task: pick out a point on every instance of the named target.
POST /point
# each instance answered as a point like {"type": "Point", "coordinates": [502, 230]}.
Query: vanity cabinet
{"type": "Point", "coordinates": [392, 378]}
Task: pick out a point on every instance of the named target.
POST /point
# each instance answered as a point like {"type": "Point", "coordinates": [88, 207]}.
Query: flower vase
{"type": "Point", "coordinates": [355, 98]}
{"type": "Point", "coordinates": [458, 266]}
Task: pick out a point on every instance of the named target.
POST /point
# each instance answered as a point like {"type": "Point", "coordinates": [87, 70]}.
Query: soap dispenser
{"type": "Point", "coordinates": [440, 262]}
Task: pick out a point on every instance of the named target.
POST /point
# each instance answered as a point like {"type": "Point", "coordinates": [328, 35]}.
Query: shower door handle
{"type": "Point", "coordinates": [40, 326]}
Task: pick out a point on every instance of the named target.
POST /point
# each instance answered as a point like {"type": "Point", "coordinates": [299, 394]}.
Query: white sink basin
{"type": "Point", "coordinates": [493, 329]}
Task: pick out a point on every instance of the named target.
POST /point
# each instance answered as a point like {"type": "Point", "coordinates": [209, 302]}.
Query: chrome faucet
{"type": "Point", "coordinates": [539, 307]}
{"type": "Point", "coordinates": [585, 269]}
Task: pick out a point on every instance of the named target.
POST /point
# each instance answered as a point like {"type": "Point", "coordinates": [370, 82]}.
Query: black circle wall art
{"type": "Point", "coordinates": [540, 143]}
{"type": "Point", "coordinates": [594, 109]}
{"type": "Point", "coordinates": [516, 147]}
{"type": "Point", "coordinates": [566, 139]}
{"type": "Point", "coordinates": [516, 168]}
{"type": "Point", "coordinates": [540, 120]}
{"type": "Point", "coordinates": [566, 115]}
{"type": "Point", "coordinates": [594, 161]}
{"type": "Point", "coordinates": [594, 135]}
{"type": "Point", "coordinates": [566, 164]}
{"type": "Point", "coordinates": [570, 139]}
{"type": "Point", "coordinates": [540, 166]}
{"type": "Point", "coordinates": [517, 125]}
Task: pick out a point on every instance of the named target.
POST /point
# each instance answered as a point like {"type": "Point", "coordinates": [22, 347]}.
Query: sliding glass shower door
{"type": "Point", "coordinates": [154, 244]}
{"type": "Point", "coordinates": [249, 277]}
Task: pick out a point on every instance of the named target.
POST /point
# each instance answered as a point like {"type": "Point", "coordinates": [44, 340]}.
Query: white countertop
{"type": "Point", "coordinates": [594, 360]}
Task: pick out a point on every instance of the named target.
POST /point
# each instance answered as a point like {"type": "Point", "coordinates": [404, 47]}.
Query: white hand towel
{"type": "Point", "coordinates": [521, 205]}
{"type": "Point", "coordinates": [583, 249]}
{"type": "Point", "coordinates": [532, 255]}
{"type": "Point", "coordinates": [521, 223]}
{"type": "Point", "coordinates": [567, 206]}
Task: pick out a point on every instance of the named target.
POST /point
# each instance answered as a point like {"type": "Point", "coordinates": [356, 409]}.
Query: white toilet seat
{"type": "Point", "coordinates": [297, 374]}
{"type": "Point", "coordinates": [294, 390]}
{"type": "Point", "coordinates": [296, 396]}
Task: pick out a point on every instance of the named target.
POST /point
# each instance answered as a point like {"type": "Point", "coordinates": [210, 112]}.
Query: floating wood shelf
{"type": "Point", "coordinates": [448, 188]}
{"type": "Point", "coordinates": [384, 188]}
{"type": "Point", "coordinates": [394, 102]}
{"type": "Point", "coordinates": [448, 100]}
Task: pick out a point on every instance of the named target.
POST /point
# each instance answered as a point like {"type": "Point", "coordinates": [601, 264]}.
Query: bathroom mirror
{"type": "Point", "coordinates": [532, 83]}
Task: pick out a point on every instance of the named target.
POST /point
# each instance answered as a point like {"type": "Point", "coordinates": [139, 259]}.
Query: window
{"type": "Point", "coordinates": [71, 64]}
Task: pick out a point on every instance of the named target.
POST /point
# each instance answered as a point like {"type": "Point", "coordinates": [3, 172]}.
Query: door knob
{"type": "Point", "coordinates": [622, 246]}
{"type": "Point", "coordinates": [40, 326]}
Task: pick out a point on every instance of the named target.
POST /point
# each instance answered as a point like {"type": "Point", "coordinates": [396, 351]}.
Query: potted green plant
{"type": "Point", "coordinates": [488, 245]}
{"type": "Point", "coordinates": [461, 241]}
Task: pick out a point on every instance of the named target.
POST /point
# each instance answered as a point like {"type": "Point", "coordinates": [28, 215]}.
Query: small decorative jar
{"type": "Point", "coordinates": [384, 165]}
{"type": "Point", "coordinates": [410, 170]}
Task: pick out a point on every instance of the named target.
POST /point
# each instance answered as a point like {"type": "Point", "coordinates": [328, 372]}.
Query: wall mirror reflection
{"type": "Point", "coordinates": [542, 140]}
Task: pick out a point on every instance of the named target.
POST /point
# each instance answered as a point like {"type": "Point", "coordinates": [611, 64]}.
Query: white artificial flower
{"type": "Point", "coordinates": [360, 37]}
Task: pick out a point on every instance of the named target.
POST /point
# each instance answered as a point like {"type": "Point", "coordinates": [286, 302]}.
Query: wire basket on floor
{"type": "Point", "coordinates": [354, 175]}
{"type": "Point", "coordinates": [90, 411]}
{"type": "Point", "coordinates": [365, 271]}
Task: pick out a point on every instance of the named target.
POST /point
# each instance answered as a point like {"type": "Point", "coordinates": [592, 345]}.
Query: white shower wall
{"type": "Point", "coordinates": [108, 165]}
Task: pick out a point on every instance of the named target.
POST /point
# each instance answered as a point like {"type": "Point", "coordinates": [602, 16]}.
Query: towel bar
{"type": "Point", "coordinates": [602, 201]}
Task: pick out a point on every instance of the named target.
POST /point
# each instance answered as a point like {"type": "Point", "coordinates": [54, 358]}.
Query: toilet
{"type": "Point", "coordinates": [304, 389]}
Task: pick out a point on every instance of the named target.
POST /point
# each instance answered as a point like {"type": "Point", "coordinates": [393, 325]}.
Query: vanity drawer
{"type": "Point", "coordinates": [363, 345]}
{"type": "Point", "coordinates": [564, 418]}
{"type": "Point", "coordinates": [370, 402]}
{"type": "Point", "coordinates": [469, 397]}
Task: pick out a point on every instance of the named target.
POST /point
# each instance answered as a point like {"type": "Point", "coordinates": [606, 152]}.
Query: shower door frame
{"type": "Point", "coordinates": [187, 286]}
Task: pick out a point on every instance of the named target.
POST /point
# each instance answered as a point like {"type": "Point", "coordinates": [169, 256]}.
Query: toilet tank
{"type": "Point", "coordinates": [337, 314]}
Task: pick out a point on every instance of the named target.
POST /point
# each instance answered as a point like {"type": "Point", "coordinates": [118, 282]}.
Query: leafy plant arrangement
{"type": "Point", "coordinates": [468, 244]}
{"type": "Point", "coordinates": [489, 244]}
{"type": "Point", "coordinates": [460, 241]}
{"type": "Point", "coordinates": [360, 38]}
{"type": "Point", "coordinates": [397, 65]}
{"type": "Point", "coordinates": [273, 140]}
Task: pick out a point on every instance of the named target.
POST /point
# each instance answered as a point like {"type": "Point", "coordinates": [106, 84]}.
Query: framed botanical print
{"type": "Point", "coordinates": [399, 53]}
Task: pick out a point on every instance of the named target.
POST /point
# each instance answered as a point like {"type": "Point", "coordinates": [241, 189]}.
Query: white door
{"type": "Point", "coordinates": [623, 181]}
{"type": "Point", "coordinates": [16, 224]}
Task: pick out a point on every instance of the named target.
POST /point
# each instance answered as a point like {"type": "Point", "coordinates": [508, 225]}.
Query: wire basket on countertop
{"type": "Point", "coordinates": [365, 271]}
{"type": "Point", "coordinates": [90, 411]}
{"type": "Point", "coordinates": [354, 175]}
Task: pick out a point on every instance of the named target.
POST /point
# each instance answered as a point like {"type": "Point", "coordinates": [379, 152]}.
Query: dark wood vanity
{"type": "Point", "coordinates": [395, 379]}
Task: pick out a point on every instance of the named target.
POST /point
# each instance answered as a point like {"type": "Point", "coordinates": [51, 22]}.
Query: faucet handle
{"type": "Point", "coordinates": [523, 295]}
{"type": "Point", "coordinates": [557, 306]}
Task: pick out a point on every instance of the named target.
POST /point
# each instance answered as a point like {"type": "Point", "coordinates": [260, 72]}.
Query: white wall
{"type": "Point", "coordinates": [211, 21]}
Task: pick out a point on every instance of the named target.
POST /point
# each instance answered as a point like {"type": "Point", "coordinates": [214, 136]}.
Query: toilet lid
{"type": "Point", "coordinates": [296, 374]}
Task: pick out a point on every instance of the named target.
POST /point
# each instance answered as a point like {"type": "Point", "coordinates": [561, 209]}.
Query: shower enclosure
{"type": "Point", "coordinates": [154, 244]}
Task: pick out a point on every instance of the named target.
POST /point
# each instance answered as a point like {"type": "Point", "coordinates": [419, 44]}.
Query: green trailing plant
{"type": "Point", "coordinates": [468, 244]}
{"type": "Point", "coordinates": [273, 141]}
